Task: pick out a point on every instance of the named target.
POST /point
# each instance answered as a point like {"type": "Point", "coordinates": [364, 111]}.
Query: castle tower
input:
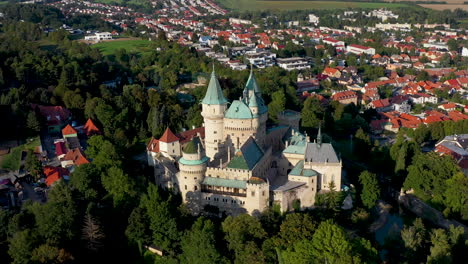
{"type": "Point", "coordinates": [253, 97]}
{"type": "Point", "coordinates": [192, 166]}
{"type": "Point", "coordinates": [213, 107]}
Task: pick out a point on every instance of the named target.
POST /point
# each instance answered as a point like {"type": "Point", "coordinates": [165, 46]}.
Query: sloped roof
{"type": "Point", "coordinates": [76, 156]}
{"type": "Point", "coordinates": [54, 114]}
{"type": "Point", "coordinates": [68, 130]}
{"type": "Point", "coordinates": [321, 153]}
{"type": "Point", "coordinates": [252, 84]}
{"type": "Point", "coordinates": [90, 128]}
{"type": "Point", "coordinates": [238, 110]}
{"type": "Point", "coordinates": [186, 136]}
{"type": "Point", "coordinates": [168, 136]}
{"type": "Point", "coordinates": [153, 145]}
{"type": "Point", "coordinates": [299, 170]}
{"type": "Point", "coordinates": [54, 174]}
{"type": "Point", "coordinates": [214, 94]}
{"type": "Point", "coordinates": [247, 157]}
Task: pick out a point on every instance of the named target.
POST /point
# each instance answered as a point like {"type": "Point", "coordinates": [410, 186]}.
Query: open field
{"type": "Point", "coordinates": [131, 45]}
{"type": "Point", "coordinates": [12, 160]}
{"type": "Point", "coordinates": [244, 5]}
{"type": "Point", "coordinates": [447, 6]}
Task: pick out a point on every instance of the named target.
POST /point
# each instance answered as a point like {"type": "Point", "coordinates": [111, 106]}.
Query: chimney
{"type": "Point", "coordinates": [229, 153]}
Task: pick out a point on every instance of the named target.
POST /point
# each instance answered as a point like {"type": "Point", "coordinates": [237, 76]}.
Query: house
{"type": "Point", "coordinates": [358, 49]}
{"type": "Point", "coordinates": [74, 157]}
{"type": "Point", "coordinates": [60, 148]}
{"type": "Point", "coordinates": [56, 117]}
{"type": "Point", "coordinates": [332, 72]}
{"type": "Point", "coordinates": [313, 19]}
{"type": "Point", "coordinates": [448, 107]}
{"type": "Point", "coordinates": [69, 131]}
{"type": "Point", "coordinates": [457, 147]}
{"type": "Point", "coordinates": [54, 174]}
{"type": "Point", "coordinates": [381, 105]}
{"type": "Point", "coordinates": [294, 63]}
{"type": "Point", "coordinates": [99, 36]}
{"type": "Point", "coordinates": [345, 97]}
{"type": "Point", "coordinates": [400, 103]}
{"type": "Point", "coordinates": [70, 136]}
{"type": "Point", "coordinates": [307, 85]}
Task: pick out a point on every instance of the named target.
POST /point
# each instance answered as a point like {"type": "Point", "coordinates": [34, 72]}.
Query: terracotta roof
{"type": "Point", "coordinates": [76, 156]}
{"type": "Point", "coordinates": [54, 114]}
{"type": "Point", "coordinates": [153, 145]}
{"type": "Point", "coordinates": [381, 103]}
{"type": "Point", "coordinates": [344, 95]}
{"type": "Point", "coordinates": [168, 137]}
{"type": "Point", "coordinates": [54, 174]}
{"type": "Point", "coordinates": [186, 136]}
{"type": "Point", "coordinates": [60, 148]}
{"type": "Point", "coordinates": [457, 116]}
{"type": "Point", "coordinates": [90, 128]}
{"type": "Point", "coordinates": [68, 130]}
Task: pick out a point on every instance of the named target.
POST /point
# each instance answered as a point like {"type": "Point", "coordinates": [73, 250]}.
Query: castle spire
{"type": "Point", "coordinates": [319, 136]}
{"type": "Point", "coordinates": [214, 93]}
{"type": "Point", "coordinates": [251, 87]}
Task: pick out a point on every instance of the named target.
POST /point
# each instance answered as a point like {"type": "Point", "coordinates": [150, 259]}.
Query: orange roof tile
{"type": "Point", "coordinates": [68, 130]}
{"type": "Point", "coordinates": [76, 156]}
{"type": "Point", "coordinates": [90, 128]}
{"type": "Point", "coordinates": [168, 137]}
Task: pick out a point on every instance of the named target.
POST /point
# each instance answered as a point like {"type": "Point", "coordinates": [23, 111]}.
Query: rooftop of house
{"type": "Point", "coordinates": [247, 157]}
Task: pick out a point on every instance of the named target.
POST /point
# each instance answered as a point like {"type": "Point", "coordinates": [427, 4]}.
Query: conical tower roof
{"type": "Point", "coordinates": [214, 94]}
{"type": "Point", "coordinates": [253, 101]}
{"type": "Point", "coordinates": [252, 84]}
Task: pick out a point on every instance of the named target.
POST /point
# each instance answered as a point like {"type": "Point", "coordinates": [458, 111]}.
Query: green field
{"type": "Point", "coordinates": [244, 5]}
{"type": "Point", "coordinates": [12, 161]}
{"type": "Point", "coordinates": [133, 46]}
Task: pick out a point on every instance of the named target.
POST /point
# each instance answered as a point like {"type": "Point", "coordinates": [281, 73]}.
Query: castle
{"type": "Point", "coordinates": [236, 164]}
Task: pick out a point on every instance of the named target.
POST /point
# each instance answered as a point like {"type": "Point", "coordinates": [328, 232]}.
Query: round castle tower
{"type": "Point", "coordinates": [214, 105]}
{"type": "Point", "coordinates": [192, 167]}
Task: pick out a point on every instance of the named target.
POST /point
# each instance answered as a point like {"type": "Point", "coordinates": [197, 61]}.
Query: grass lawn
{"type": "Point", "coordinates": [133, 45]}
{"type": "Point", "coordinates": [243, 5]}
{"type": "Point", "coordinates": [12, 161]}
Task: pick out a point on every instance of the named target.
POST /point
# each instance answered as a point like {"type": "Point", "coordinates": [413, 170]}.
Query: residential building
{"type": "Point", "coordinates": [358, 49]}
{"type": "Point", "coordinates": [294, 63]}
{"type": "Point", "coordinates": [346, 97]}
{"type": "Point", "coordinates": [457, 147]}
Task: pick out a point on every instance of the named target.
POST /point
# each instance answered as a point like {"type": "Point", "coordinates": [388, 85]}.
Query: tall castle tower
{"type": "Point", "coordinates": [192, 167]}
{"type": "Point", "coordinates": [253, 97]}
{"type": "Point", "coordinates": [213, 107]}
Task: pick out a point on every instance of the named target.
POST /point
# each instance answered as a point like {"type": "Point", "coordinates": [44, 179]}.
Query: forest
{"type": "Point", "coordinates": [110, 211]}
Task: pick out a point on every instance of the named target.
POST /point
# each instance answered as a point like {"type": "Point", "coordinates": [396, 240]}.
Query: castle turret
{"type": "Point", "coordinates": [213, 107]}
{"type": "Point", "coordinates": [192, 166]}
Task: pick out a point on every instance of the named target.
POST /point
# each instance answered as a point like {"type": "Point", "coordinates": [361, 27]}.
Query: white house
{"type": "Point", "coordinates": [295, 63]}
{"type": "Point", "coordinates": [358, 49]}
{"type": "Point", "coordinates": [99, 36]}
{"type": "Point", "coordinates": [313, 19]}
{"type": "Point", "coordinates": [464, 52]}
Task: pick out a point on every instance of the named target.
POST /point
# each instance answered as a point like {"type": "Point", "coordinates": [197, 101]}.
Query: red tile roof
{"type": "Point", "coordinates": [186, 136]}
{"type": "Point", "coordinates": [168, 137]}
{"type": "Point", "coordinates": [153, 145]}
{"type": "Point", "coordinates": [76, 156]}
{"type": "Point", "coordinates": [68, 130]}
{"type": "Point", "coordinates": [344, 95]}
{"type": "Point", "coordinates": [60, 148]}
{"type": "Point", "coordinates": [457, 115]}
{"type": "Point", "coordinates": [54, 114]}
{"type": "Point", "coordinates": [54, 174]}
{"type": "Point", "coordinates": [90, 128]}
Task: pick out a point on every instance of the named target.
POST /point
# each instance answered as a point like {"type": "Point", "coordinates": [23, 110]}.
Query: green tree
{"type": "Point", "coordinates": [198, 244]}
{"type": "Point", "coordinates": [414, 236]}
{"type": "Point", "coordinates": [137, 230]}
{"type": "Point", "coordinates": [32, 164]}
{"type": "Point", "coordinates": [370, 189]}
{"type": "Point", "coordinates": [162, 221]}
{"type": "Point", "coordinates": [440, 249]}
{"type": "Point", "coordinates": [87, 180]}
{"type": "Point", "coordinates": [312, 113]}
{"type": "Point", "coordinates": [243, 234]}
{"type": "Point", "coordinates": [118, 185]}
{"type": "Point", "coordinates": [277, 104]}
{"type": "Point", "coordinates": [297, 227]}
{"type": "Point", "coordinates": [456, 195]}
{"type": "Point", "coordinates": [428, 174]}
{"type": "Point", "coordinates": [33, 122]}
{"type": "Point", "coordinates": [22, 245]}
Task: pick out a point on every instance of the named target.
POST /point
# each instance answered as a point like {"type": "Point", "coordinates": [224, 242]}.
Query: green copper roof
{"type": "Point", "coordinates": [192, 146]}
{"type": "Point", "coordinates": [193, 162]}
{"type": "Point", "coordinates": [214, 94]}
{"type": "Point", "coordinates": [225, 183]}
{"type": "Point", "coordinates": [238, 110]}
{"type": "Point", "coordinates": [300, 171]}
{"type": "Point", "coordinates": [252, 84]}
{"type": "Point", "coordinates": [253, 101]}
{"type": "Point", "coordinates": [248, 156]}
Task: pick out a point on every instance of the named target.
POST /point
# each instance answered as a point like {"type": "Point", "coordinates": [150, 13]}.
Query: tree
{"type": "Point", "coordinates": [362, 143]}
{"type": "Point", "coordinates": [137, 230]}
{"type": "Point", "coordinates": [414, 236]}
{"type": "Point", "coordinates": [32, 164]}
{"type": "Point", "coordinates": [423, 76]}
{"type": "Point", "coordinates": [297, 227]}
{"type": "Point", "coordinates": [162, 221]}
{"type": "Point", "coordinates": [456, 195]}
{"type": "Point", "coordinates": [21, 246]}
{"type": "Point", "coordinates": [452, 44]}
{"type": "Point", "coordinates": [440, 249]}
{"type": "Point", "coordinates": [198, 244]}
{"type": "Point", "coordinates": [87, 180]}
{"type": "Point", "coordinates": [118, 185]}
{"type": "Point", "coordinates": [312, 113]}
{"type": "Point", "coordinates": [428, 175]}
{"type": "Point", "coordinates": [370, 189]}
{"type": "Point", "coordinates": [33, 122]}
{"type": "Point", "coordinates": [56, 219]}
{"type": "Point", "coordinates": [103, 153]}
{"type": "Point", "coordinates": [329, 244]}
{"type": "Point", "coordinates": [243, 234]}
{"type": "Point", "coordinates": [92, 233]}
{"type": "Point", "coordinates": [278, 104]}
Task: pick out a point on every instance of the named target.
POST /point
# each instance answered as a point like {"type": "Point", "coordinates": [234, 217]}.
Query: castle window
{"type": "Point", "coordinates": [253, 193]}
{"type": "Point", "coordinates": [195, 178]}
{"type": "Point", "coordinates": [263, 193]}
{"type": "Point", "coordinates": [185, 187]}
{"type": "Point", "coordinates": [196, 188]}
{"type": "Point", "coordinates": [215, 140]}
{"type": "Point", "coordinates": [215, 132]}
{"type": "Point", "coordinates": [185, 177]}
